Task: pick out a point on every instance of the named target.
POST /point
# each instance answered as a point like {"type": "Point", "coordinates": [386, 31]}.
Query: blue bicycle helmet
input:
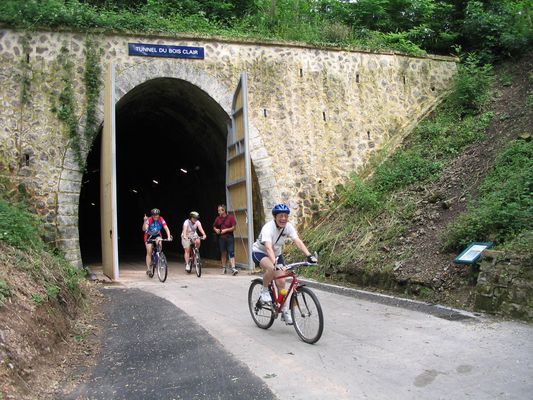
{"type": "Point", "coordinates": [280, 208]}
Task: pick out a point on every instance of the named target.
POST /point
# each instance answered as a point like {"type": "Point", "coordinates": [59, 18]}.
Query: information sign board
{"type": "Point", "coordinates": [472, 253]}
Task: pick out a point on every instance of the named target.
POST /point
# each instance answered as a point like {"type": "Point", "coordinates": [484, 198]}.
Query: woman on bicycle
{"type": "Point", "coordinates": [189, 232]}
{"type": "Point", "coordinates": [266, 252]}
{"type": "Point", "coordinates": [152, 230]}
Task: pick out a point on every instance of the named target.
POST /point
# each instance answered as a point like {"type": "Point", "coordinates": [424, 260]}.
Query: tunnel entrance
{"type": "Point", "coordinates": [171, 154]}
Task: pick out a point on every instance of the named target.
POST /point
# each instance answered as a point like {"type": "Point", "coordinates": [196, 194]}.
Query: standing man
{"type": "Point", "coordinates": [224, 226]}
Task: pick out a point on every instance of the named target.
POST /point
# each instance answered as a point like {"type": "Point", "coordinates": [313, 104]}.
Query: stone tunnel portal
{"type": "Point", "coordinates": [171, 154]}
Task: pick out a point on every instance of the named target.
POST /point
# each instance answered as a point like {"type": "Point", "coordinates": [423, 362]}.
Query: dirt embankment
{"type": "Point", "coordinates": [44, 335]}
{"type": "Point", "coordinates": [429, 272]}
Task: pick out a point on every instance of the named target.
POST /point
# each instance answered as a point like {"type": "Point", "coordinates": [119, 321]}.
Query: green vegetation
{"type": "Point", "coordinates": [25, 74]}
{"type": "Point", "coordinates": [20, 243]}
{"type": "Point", "coordinates": [93, 82]}
{"type": "Point", "coordinates": [494, 29]}
{"type": "Point", "coordinates": [504, 207]}
{"type": "Point", "coordinates": [66, 107]}
{"type": "Point", "coordinates": [66, 110]}
{"type": "Point", "coordinates": [19, 228]}
{"type": "Point", "coordinates": [5, 291]}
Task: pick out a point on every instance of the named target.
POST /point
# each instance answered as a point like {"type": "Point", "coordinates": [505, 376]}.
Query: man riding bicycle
{"type": "Point", "coordinates": [188, 233]}
{"type": "Point", "coordinates": [152, 231]}
{"type": "Point", "coordinates": [266, 252]}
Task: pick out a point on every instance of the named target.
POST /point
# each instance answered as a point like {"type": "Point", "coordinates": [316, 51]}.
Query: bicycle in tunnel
{"type": "Point", "coordinates": [159, 260]}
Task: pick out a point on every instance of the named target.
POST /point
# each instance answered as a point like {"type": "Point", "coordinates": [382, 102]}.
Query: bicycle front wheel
{"type": "Point", "coordinates": [197, 263]}
{"type": "Point", "coordinates": [262, 314]}
{"type": "Point", "coordinates": [162, 267]}
{"type": "Point", "coordinates": [307, 315]}
{"type": "Point", "coordinates": [152, 266]}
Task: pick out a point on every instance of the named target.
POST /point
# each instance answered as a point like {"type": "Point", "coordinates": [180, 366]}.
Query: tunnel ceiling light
{"type": "Point", "coordinates": [92, 204]}
{"type": "Point", "coordinates": [197, 168]}
{"type": "Point", "coordinates": [134, 191]}
{"type": "Point", "coordinates": [183, 170]}
{"type": "Point", "coordinates": [156, 182]}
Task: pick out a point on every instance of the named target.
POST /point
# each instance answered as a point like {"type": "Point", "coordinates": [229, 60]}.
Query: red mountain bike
{"type": "Point", "coordinates": [305, 308]}
{"type": "Point", "coordinates": [194, 259]}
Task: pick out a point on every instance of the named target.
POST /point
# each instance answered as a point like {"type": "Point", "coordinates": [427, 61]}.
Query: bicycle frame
{"type": "Point", "coordinates": [158, 248]}
{"type": "Point", "coordinates": [293, 286]}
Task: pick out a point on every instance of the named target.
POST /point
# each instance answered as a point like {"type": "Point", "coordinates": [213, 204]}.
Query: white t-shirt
{"type": "Point", "coordinates": [190, 227]}
{"type": "Point", "coordinates": [270, 233]}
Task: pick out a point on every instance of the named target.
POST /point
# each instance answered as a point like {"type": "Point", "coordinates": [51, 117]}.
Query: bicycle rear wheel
{"type": "Point", "coordinates": [262, 314]}
{"type": "Point", "coordinates": [307, 315]}
{"type": "Point", "coordinates": [162, 267]}
{"type": "Point", "coordinates": [197, 263]}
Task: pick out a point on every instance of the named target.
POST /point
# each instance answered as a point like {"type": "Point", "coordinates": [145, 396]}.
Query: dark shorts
{"type": "Point", "coordinates": [226, 245]}
{"type": "Point", "coordinates": [151, 238]}
{"type": "Point", "coordinates": [258, 256]}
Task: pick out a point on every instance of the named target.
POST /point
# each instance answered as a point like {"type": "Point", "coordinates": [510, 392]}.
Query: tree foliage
{"type": "Point", "coordinates": [494, 29]}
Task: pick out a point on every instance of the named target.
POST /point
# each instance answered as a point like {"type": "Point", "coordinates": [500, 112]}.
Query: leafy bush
{"type": "Point", "coordinates": [497, 28]}
{"type": "Point", "coordinates": [472, 84]}
{"type": "Point", "coordinates": [505, 206]}
{"type": "Point", "coordinates": [18, 227]}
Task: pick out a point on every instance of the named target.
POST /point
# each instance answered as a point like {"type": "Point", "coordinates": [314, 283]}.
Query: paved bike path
{"type": "Point", "coordinates": [153, 350]}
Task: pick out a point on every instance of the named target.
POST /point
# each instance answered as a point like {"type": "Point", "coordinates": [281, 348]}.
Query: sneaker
{"type": "Point", "coordinates": [188, 266]}
{"type": "Point", "coordinates": [234, 271]}
{"type": "Point", "coordinates": [147, 272]}
{"type": "Point", "coordinates": [286, 316]}
{"type": "Point", "coordinates": [224, 270]}
{"type": "Point", "coordinates": [265, 296]}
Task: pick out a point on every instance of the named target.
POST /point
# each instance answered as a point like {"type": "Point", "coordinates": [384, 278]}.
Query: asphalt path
{"type": "Point", "coordinates": [153, 350]}
{"type": "Point", "coordinates": [373, 347]}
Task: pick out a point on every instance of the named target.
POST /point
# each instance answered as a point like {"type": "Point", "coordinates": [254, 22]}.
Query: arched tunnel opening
{"type": "Point", "coordinates": [171, 154]}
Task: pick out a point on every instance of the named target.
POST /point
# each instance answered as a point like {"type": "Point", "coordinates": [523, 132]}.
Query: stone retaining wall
{"type": "Point", "coordinates": [505, 285]}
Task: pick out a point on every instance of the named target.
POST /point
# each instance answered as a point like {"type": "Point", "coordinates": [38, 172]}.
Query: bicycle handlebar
{"type": "Point", "coordinates": [296, 265]}
{"type": "Point", "coordinates": [150, 240]}
{"type": "Point", "coordinates": [193, 239]}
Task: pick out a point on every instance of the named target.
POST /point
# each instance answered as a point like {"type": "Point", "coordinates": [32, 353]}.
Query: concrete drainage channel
{"type": "Point", "coordinates": [436, 310]}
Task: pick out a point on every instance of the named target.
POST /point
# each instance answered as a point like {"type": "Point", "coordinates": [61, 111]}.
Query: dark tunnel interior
{"type": "Point", "coordinates": [171, 150]}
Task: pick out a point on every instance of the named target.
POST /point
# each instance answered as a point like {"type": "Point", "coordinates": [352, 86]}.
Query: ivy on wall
{"type": "Point", "coordinates": [66, 109]}
{"type": "Point", "coordinates": [25, 70]}
{"type": "Point", "coordinates": [93, 83]}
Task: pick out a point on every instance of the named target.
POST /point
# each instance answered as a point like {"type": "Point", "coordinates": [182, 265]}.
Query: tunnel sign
{"type": "Point", "coordinates": [161, 50]}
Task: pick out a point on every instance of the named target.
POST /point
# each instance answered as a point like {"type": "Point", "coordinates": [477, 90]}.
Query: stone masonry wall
{"type": "Point", "coordinates": [315, 115]}
{"type": "Point", "coordinates": [505, 285]}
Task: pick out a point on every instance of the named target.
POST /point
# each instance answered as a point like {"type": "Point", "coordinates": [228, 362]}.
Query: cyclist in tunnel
{"type": "Point", "coordinates": [188, 233]}
{"type": "Point", "coordinates": [266, 252]}
{"type": "Point", "coordinates": [152, 230]}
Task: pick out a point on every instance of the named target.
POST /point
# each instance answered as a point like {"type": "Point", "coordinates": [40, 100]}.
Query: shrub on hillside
{"type": "Point", "coordinates": [471, 87]}
{"type": "Point", "coordinates": [18, 227]}
{"type": "Point", "coordinates": [504, 208]}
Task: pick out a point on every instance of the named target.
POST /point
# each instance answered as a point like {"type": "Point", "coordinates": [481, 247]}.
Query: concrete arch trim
{"type": "Point", "coordinates": [129, 77]}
